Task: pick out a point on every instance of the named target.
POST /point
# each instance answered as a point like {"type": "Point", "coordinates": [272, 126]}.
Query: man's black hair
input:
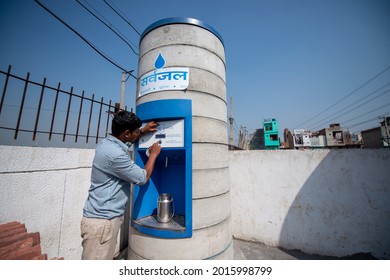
{"type": "Point", "coordinates": [124, 120]}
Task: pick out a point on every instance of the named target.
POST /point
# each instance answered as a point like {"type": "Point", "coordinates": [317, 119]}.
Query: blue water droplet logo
{"type": "Point", "coordinates": [160, 61]}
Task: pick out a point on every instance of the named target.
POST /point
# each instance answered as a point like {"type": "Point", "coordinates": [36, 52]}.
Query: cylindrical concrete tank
{"type": "Point", "coordinates": [190, 43]}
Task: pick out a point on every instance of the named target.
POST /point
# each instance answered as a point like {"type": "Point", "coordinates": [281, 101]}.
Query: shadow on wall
{"type": "Point", "coordinates": [342, 209]}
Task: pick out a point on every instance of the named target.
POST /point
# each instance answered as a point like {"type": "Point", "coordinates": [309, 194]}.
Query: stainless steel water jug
{"type": "Point", "coordinates": [165, 208]}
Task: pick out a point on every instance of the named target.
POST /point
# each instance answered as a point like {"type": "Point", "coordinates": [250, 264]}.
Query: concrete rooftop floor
{"type": "Point", "coordinates": [247, 250]}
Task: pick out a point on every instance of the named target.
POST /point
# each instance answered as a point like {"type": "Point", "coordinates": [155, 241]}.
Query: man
{"type": "Point", "coordinates": [112, 172]}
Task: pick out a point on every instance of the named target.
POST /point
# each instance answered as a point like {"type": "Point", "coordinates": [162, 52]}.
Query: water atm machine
{"type": "Point", "coordinates": [172, 173]}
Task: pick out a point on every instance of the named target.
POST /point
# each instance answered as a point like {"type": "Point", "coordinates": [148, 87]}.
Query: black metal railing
{"type": "Point", "coordinates": [29, 110]}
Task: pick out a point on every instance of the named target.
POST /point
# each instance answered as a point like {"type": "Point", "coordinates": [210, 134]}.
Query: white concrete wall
{"type": "Point", "coordinates": [327, 202]}
{"type": "Point", "coordinates": [45, 188]}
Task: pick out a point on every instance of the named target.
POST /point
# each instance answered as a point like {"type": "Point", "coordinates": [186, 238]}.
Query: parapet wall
{"type": "Point", "coordinates": [326, 202]}
{"type": "Point", "coordinates": [45, 188]}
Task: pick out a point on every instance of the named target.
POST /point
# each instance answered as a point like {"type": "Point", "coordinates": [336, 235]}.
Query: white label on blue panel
{"type": "Point", "coordinates": [170, 133]}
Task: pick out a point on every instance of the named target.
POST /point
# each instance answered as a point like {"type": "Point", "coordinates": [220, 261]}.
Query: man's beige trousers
{"type": "Point", "coordinates": [100, 238]}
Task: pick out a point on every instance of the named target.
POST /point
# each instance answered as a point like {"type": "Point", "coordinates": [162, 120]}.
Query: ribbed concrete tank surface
{"type": "Point", "coordinates": [190, 43]}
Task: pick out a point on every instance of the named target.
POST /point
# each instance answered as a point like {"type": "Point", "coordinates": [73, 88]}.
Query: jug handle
{"type": "Point", "coordinates": [173, 211]}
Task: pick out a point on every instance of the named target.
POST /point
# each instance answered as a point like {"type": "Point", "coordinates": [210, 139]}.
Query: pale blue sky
{"type": "Point", "coordinates": [286, 59]}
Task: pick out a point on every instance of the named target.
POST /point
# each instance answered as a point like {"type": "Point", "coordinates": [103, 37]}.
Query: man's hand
{"type": "Point", "coordinates": [155, 149]}
{"type": "Point", "coordinates": [150, 127]}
